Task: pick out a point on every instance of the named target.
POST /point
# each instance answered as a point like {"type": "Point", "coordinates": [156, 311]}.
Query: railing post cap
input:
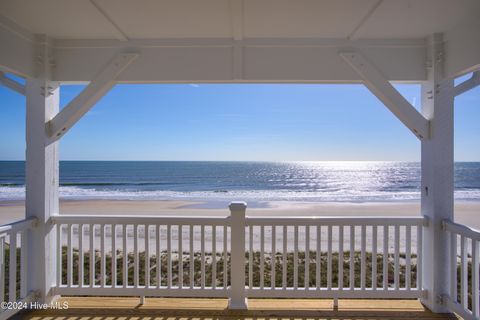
{"type": "Point", "coordinates": [237, 205]}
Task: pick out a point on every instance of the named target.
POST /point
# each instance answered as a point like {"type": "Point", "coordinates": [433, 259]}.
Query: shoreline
{"type": "Point", "coordinates": [466, 212]}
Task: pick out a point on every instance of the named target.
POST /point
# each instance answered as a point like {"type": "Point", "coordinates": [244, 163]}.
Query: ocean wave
{"type": "Point", "coordinates": [333, 195]}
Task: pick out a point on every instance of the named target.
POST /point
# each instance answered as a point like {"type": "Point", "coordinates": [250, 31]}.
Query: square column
{"type": "Point", "coordinates": [437, 186]}
{"type": "Point", "coordinates": [42, 176]}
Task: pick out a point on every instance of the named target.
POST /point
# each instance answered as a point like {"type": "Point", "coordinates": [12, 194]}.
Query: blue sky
{"type": "Point", "coordinates": [240, 122]}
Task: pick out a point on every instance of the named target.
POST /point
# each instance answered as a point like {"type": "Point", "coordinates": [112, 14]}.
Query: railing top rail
{"type": "Point", "coordinates": [141, 220]}
{"type": "Point", "coordinates": [19, 225]}
{"type": "Point", "coordinates": [337, 221]}
{"type": "Point", "coordinates": [461, 229]}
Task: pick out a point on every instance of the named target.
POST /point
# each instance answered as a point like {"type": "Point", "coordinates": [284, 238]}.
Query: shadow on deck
{"type": "Point", "coordinates": [96, 308]}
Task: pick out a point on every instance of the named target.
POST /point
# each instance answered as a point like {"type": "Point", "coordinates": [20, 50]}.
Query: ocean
{"type": "Point", "coordinates": [256, 182]}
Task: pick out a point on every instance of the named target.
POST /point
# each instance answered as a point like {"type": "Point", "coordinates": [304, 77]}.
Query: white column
{"type": "Point", "coordinates": [437, 175]}
{"type": "Point", "coordinates": [41, 176]}
{"type": "Point", "coordinates": [237, 299]}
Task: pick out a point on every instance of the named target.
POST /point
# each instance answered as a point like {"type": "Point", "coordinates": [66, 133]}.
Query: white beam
{"type": "Point", "coordinates": [42, 96]}
{"type": "Point", "coordinates": [437, 177]}
{"type": "Point", "coordinates": [236, 16]}
{"type": "Point", "coordinates": [385, 92]}
{"type": "Point", "coordinates": [468, 84]}
{"type": "Point", "coordinates": [273, 60]}
{"type": "Point", "coordinates": [81, 104]}
{"type": "Point", "coordinates": [12, 84]}
{"type": "Point", "coordinates": [17, 49]}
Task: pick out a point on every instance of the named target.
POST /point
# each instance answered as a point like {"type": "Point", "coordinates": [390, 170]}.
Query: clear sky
{"type": "Point", "coordinates": [240, 122]}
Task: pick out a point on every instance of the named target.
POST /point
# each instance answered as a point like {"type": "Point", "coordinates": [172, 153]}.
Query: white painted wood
{"type": "Point", "coordinates": [202, 259]}
{"type": "Point", "coordinates": [237, 299]}
{"type": "Point", "coordinates": [340, 257]}
{"type": "Point", "coordinates": [23, 264]}
{"type": "Point", "coordinates": [295, 257]}
{"type": "Point", "coordinates": [420, 258]}
{"type": "Point", "coordinates": [159, 257]}
{"type": "Point", "coordinates": [396, 271]}
{"type": "Point", "coordinates": [125, 255]}
{"type": "Point", "coordinates": [12, 285]}
{"type": "Point", "coordinates": [408, 257]}
{"type": "Point", "coordinates": [135, 257]}
{"type": "Point", "coordinates": [467, 85]}
{"type": "Point", "coordinates": [250, 257]}
{"type": "Point", "coordinates": [262, 254]}
{"type": "Point", "coordinates": [463, 273]}
{"type": "Point", "coordinates": [12, 84]}
{"type": "Point", "coordinates": [284, 258]}
{"type": "Point", "coordinates": [363, 249]}
{"type": "Point", "coordinates": [374, 256]}
{"type": "Point", "coordinates": [2, 269]}
{"type": "Point", "coordinates": [307, 258]}
{"type": "Point", "coordinates": [69, 256]}
{"type": "Point", "coordinates": [147, 254]}
{"type": "Point", "coordinates": [225, 256]}
{"type": "Point", "coordinates": [329, 258]}
{"type": "Point", "coordinates": [169, 255]}
{"type": "Point", "coordinates": [352, 258]}
{"type": "Point", "coordinates": [116, 30]}
{"type": "Point", "coordinates": [192, 265]}
{"type": "Point", "coordinates": [18, 49]}
{"type": "Point", "coordinates": [42, 100]}
{"type": "Point", "coordinates": [274, 256]}
{"type": "Point", "coordinates": [376, 82]}
{"type": "Point", "coordinates": [475, 280]}
{"type": "Point", "coordinates": [82, 103]}
{"type": "Point", "coordinates": [114, 254]}
{"type": "Point", "coordinates": [214, 258]}
{"type": "Point", "coordinates": [318, 257]}
{"type": "Point", "coordinates": [453, 266]}
{"type": "Point", "coordinates": [81, 255]}
{"type": "Point", "coordinates": [385, 257]}
{"type": "Point", "coordinates": [91, 230]}
{"type": "Point", "coordinates": [437, 174]}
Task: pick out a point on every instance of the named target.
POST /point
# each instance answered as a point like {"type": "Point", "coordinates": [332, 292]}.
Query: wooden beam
{"type": "Point", "coordinates": [385, 92]}
{"type": "Point", "coordinates": [82, 103]}
{"type": "Point", "coordinates": [12, 84]}
{"type": "Point", "coordinates": [118, 32]}
{"type": "Point", "coordinates": [467, 84]}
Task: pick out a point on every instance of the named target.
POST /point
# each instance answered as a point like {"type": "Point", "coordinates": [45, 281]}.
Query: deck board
{"type": "Point", "coordinates": [103, 308]}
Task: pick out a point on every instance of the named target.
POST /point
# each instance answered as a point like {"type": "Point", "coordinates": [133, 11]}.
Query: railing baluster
{"type": "Point", "coordinates": [408, 255]}
{"type": "Point", "coordinates": [250, 257]}
{"type": "Point", "coordinates": [307, 257]}
{"type": "Point", "coordinates": [214, 257]}
{"type": "Point", "coordinates": [453, 266]}
{"type": "Point", "coordinates": [284, 259]}
{"type": "Point", "coordinates": [295, 258]}
{"type": "Point", "coordinates": [180, 256]}
{"type": "Point", "coordinates": [59, 255]}
{"type": "Point", "coordinates": [397, 258]}
{"type": "Point", "coordinates": [475, 280]}
{"type": "Point", "coordinates": [2, 268]}
{"type": "Point", "coordinates": [158, 255]}
{"type": "Point", "coordinates": [135, 256]}
{"type": "Point", "coordinates": [147, 255]}
{"type": "Point", "coordinates": [329, 258]}
{"type": "Point", "coordinates": [192, 262]}
{"type": "Point", "coordinates": [92, 254]}
{"type": "Point", "coordinates": [23, 264]}
{"type": "Point", "coordinates": [273, 259]}
{"type": "Point", "coordinates": [69, 255]}
{"type": "Point", "coordinates": [202, 244]}
{"type": "Point", "coordinates": [385, 257]}
{"type": "Point", "coordinates": [340, 257]}
{"type": "Point", "coordinates": [374, 257]}
{"type": "Point", "coordinates": [262, 247]}
{"type": "Point", "coordinates": [125, 255]}
{"type": "Point", "coordinates": [318, 257]}
{"type": "Point", "coordinates": [464, 272]}
{"type": "Point", "coordinates": [114, 255]}
{"type": "Point", "coordinates": [352, 257]}
{"type": "Point", "coordinates": [12, 284]}
{"type": "Point", "coordinates": [363, 267]}
{"type": "Point", "coordinates": [80, 256]}
{"type": "Point", "coordinates": [225, 256]}
{"type": "Point", "coordinates": [419, 256]}
{"type": "Point", "coordinates": [169, 256]}
{"type": "Point", "coordinates": [103, 275]}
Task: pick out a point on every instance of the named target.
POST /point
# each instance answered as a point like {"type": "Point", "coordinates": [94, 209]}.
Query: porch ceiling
{"type": "Point", "coordinates": [153, 19]}
{"type": "Point", "coordinates": [238, 40]}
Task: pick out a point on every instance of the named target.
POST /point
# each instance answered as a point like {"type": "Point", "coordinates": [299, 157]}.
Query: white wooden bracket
{"type": "Point", "coordinates": [82, 103]}
{"type": "Point", "coordinates": [385, 92]}
{"type": "Point", "coordinates": [11, 84]}
{"type": "Point", "coordinates": [467, 84]}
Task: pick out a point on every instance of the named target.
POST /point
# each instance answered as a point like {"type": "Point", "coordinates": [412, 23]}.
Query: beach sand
{"type": "Point", "coordinates": [466, 212]}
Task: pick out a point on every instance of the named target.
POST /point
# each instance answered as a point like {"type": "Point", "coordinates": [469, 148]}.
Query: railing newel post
{"type": "Point", "coordinates": [237, 295]}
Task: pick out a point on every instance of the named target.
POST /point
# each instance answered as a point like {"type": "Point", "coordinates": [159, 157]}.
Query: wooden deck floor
{"type": "Point", "coordinates": [94, 308]}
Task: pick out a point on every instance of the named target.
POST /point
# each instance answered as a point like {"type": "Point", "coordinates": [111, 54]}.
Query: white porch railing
{"type": "Point", "coordinates": [464, 297]}
{"type": "Point", "coordinates": [14, 266]}
{"type": "Point", "coordinates": [282, 257]}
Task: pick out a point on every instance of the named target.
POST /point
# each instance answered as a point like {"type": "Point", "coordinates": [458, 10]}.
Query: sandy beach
{"type": "Point", "coordinates": [466, 212]}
